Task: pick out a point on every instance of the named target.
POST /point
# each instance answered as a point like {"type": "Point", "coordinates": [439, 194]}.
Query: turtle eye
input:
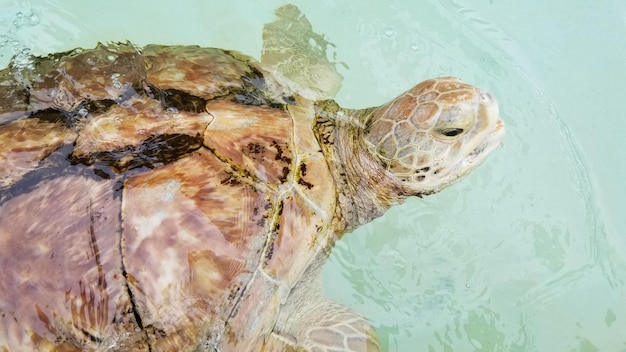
{"type": "Point", "coordinates": [451, 132]}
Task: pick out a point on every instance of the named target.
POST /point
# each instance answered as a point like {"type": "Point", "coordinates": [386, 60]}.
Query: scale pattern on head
{"type": "Point", "coordinates": [422, 136]}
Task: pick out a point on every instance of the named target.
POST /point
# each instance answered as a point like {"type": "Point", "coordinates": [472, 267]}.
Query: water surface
{"type": "Point", "coordinates": [526, 254]}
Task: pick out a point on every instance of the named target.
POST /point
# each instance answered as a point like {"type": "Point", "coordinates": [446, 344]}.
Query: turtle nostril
{"type": "Point", "coordinates": [485, 97]}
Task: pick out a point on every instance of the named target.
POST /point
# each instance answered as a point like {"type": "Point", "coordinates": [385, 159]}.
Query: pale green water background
{"type": "Point", "coordinates": [526, 254]}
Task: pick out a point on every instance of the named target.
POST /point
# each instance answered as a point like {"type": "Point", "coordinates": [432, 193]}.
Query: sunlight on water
{"type": "Point", "coordinates": [517, 257]}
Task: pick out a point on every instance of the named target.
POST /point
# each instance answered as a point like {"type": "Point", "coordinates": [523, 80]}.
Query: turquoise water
{"type": "Point", "coordinates": [526, 254]}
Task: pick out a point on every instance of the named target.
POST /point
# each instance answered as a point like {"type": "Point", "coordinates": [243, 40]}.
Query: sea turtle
{"type": "Point", "coordinates": [181, 198]}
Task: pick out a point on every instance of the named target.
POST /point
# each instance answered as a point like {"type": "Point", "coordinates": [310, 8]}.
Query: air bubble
{"type": "Point", "coordinates": [34, 20]}
{"type": "Point", "coordinates": [111, 58]}
{"type": "Point", "coordinates": [28, 19]}
{"type": "Point", "coordinates": [82, 112]}
{"type": "Point", "coordinates": [389, 32]}
{"type": "Point", "coordinates": [414, 47]}
{"type": "Point", "coordinates": [172, 110]}
{"type": "Point", "coordinates": [22, 59]}
{"type": "Point", "coordinates": [116, 82]}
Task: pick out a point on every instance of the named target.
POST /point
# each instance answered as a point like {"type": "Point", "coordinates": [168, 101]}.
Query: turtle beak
{"type": "Point", "coordinates": [499, 126]}
{"type": "Point", "coordinates": [493, 140]}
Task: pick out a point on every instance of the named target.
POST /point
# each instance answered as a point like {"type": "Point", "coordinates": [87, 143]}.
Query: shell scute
{"type": "Point", "coordinates": [68, 289]}
{"type": "Point", "coordinates": [139, 133]}
{"type": "Point", "coordinates": [295, 242]}
{"type": "Point", "coordinates": [202, 72]}
{"type": "Point", "coordinates": [25, 143]}
{"type": "Point", "coordinates": [64, 81]}
{"type": "Point", "coordinates": [234, 136]}
{"type": "Point", "coordinates": [208, 236]}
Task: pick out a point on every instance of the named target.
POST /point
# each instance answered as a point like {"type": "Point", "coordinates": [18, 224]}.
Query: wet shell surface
{"type": "Point", "coordinates": [152, 199]}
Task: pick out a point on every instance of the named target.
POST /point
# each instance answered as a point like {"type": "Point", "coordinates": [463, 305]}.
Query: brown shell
{"type": "Point", "coordinates": [152, 199]}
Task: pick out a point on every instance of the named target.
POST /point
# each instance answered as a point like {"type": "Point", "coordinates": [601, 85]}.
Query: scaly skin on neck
{"type": "Point", "coordinates": [365, 189]}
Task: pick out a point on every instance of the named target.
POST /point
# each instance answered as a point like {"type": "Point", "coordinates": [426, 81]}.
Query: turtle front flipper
{"type": "Point", "coordinates": [309, 321]}
{"type": "Point", "coordinates": [296, 56]}
{"type": "Point", "coordinates": [328, 326]}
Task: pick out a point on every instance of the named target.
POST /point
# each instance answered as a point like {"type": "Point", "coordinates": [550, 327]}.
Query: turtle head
{"type": "Point", "coordinates": [435, 133]}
